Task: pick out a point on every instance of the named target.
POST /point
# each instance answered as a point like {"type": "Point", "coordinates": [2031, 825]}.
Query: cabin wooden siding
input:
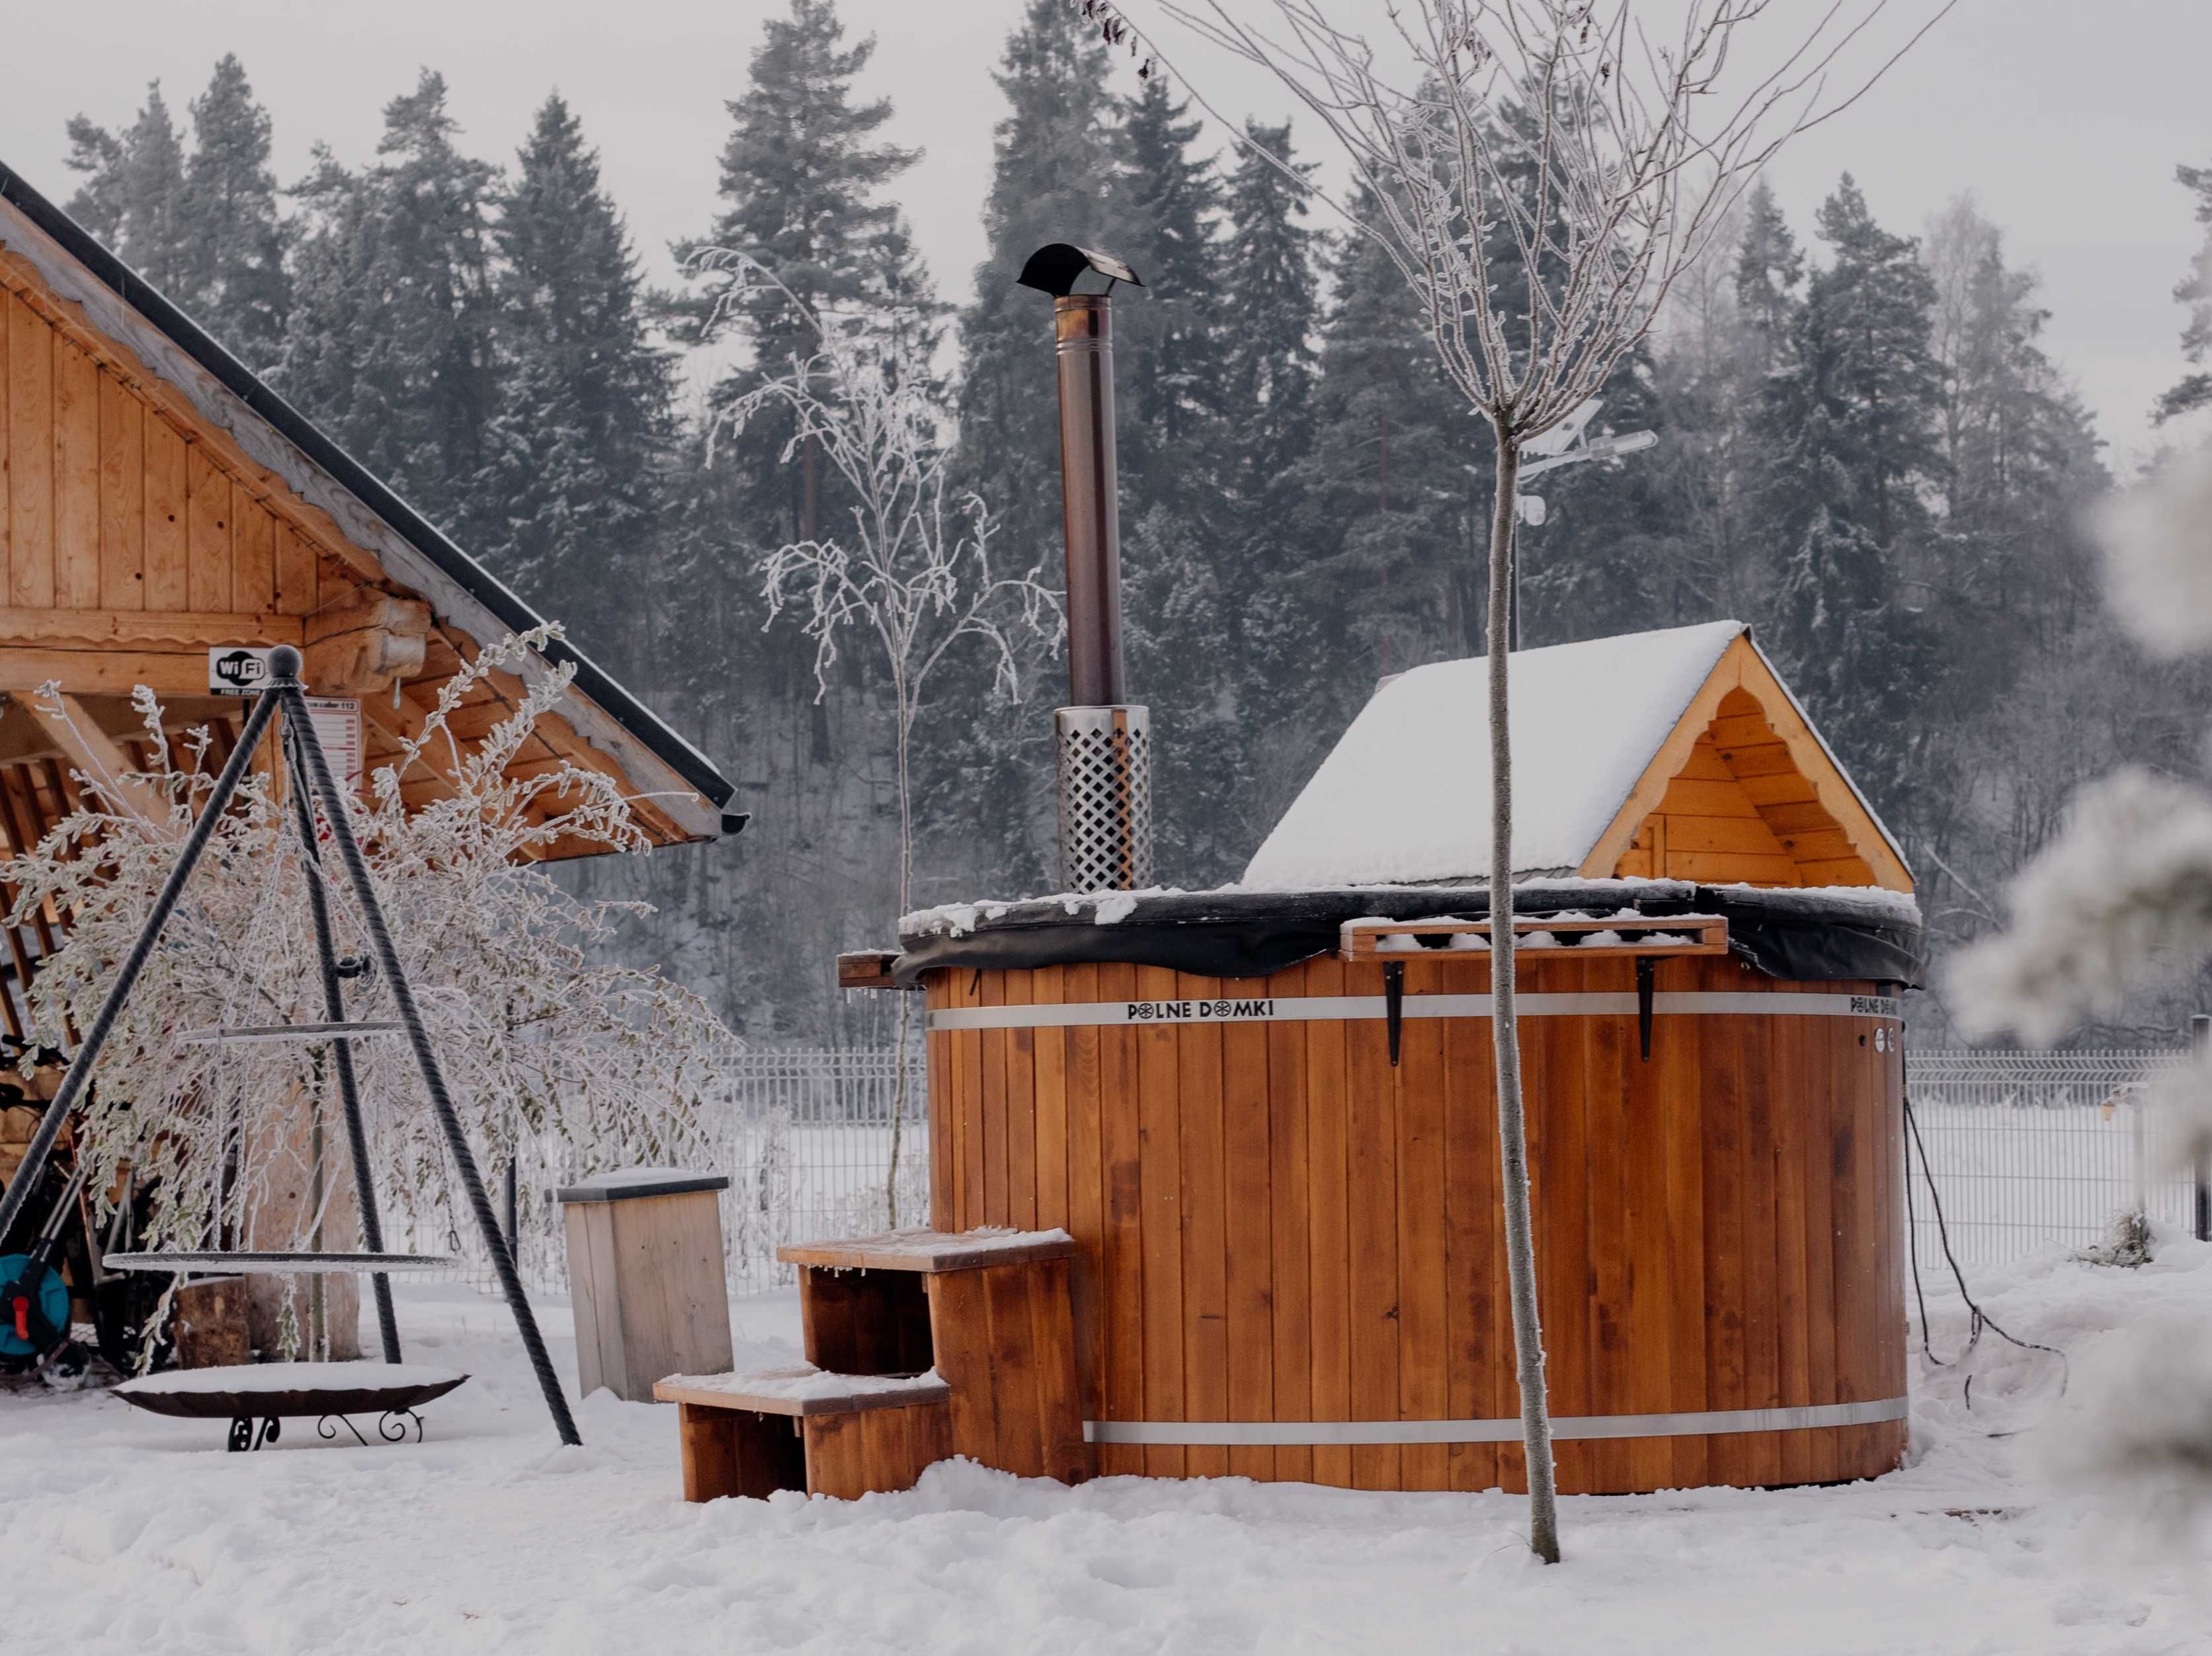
{"type": "Point", "coordinates": [1744, 793]}
{"type": "Point", "coordinates": [135, 534]}
{"type": "Point", "coordinates": [1274, 1223]}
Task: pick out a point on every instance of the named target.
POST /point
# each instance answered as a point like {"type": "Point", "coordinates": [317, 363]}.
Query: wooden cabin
{"type": "Point", "coordinates": [158, 502]}
{"type": "Point", "coordinates": [1267, 1117]}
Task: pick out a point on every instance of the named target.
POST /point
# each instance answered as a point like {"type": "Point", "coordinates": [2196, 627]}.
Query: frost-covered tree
{"type": "Point", "coordinates": [1541, 173]}
{"type": "Point", "coordinates": [556, 1060]}
{"type": "Point", "coordinates": [911, 569]}
{"type": "Point", "coordinates": [2122, 894]}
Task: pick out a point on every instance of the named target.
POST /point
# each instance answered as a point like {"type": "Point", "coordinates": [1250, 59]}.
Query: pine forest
{"type": "Point", "coordinates": [1864, 450]}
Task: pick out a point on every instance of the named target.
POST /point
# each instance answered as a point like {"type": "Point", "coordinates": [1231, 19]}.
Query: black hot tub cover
{"type": "Point", "coordinates": [1804, 936]}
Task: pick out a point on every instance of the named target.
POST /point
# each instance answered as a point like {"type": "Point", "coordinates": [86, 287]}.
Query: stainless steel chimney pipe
{"type": "Point", "coordinates": [1091, 515]}
{"type": "Point", "coordinates": [1104, 744]}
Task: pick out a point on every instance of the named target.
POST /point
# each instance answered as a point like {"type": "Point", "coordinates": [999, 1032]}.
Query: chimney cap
{"type": "Point", "coordinates": [1057, 267]}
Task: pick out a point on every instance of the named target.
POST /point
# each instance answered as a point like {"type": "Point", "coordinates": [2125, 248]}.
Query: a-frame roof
{"type": "Point", "coordinates": [1676, 754]}
{"type": "Point", "coordinates": [333, 507]}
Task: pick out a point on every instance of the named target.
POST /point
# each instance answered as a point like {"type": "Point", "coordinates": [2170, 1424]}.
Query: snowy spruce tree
{"type": "Point", "coordinates": [389, 346]}
{"type": "Point", "coordinates": [1169, 342]}
{"type": "Point", "coordinates": [806, 194]}
{"type": "Point", "coordinates": [236, 285]}
{"type": "Point", "coordinates": [803, 174]}
{"type": "Point", "coordinates": [1858, 398]}
{"type": "Point", "coordinates": [133, 196]}
{"type": "Point", "coordinates": [2193, 391]}
{"type": "Point", "coordinates": [1053, 153]}
{"type": "Point", "coordinates": [571, 491]}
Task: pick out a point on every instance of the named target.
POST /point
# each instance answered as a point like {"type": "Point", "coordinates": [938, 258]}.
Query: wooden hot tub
{"type": "Point", "coordinates": [1291, 1254]}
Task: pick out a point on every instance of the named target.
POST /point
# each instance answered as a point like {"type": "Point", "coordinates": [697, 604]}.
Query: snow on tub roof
{"type": "Point", "coordinates": [1404, 794]}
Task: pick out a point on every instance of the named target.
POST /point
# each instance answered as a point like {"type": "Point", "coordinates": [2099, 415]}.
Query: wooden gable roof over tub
{"type": "Point", "coordinates": [157, 500]}
{"type": "Point", "coordinates": [1676, 754]}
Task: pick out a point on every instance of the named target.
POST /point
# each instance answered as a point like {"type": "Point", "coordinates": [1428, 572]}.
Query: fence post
{"type": "Point", "coordinates": [2200, 1033]}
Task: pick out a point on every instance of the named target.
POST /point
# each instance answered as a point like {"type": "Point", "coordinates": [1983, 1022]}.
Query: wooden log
{"type": "Point", "coordinates": [208, 1323]}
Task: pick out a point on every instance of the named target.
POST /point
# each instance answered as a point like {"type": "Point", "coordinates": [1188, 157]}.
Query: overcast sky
{"type": "Point", "coordinates": [2065, 128]}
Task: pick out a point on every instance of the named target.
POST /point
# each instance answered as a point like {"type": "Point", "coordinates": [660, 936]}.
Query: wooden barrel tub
{"type": "Point", "coordinates": [1291, 1256]}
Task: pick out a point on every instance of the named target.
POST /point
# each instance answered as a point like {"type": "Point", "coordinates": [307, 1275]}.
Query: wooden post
{"type": "Point", "coordinates": [2200, 1035]}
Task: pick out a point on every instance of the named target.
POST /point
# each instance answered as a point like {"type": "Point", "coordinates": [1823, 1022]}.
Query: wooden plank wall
{"type": "Point", "coordinates": [107, 504]}
{"type": "Point", "coordinates": [1275, 1224]}
{"type": "Point", "coordinates": [1740, 810]}
{"type": "Point", "coordinates": [118, 513]}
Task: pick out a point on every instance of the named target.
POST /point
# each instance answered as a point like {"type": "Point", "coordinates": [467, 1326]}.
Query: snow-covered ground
{"type": "Point", "coordinates": [126, 1532]}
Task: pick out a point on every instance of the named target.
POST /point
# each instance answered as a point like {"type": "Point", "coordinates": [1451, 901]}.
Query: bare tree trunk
{"type": "Point", "coordinates": [1505, 1029]}
{"type": "Point", "coordinates": [906, 902]}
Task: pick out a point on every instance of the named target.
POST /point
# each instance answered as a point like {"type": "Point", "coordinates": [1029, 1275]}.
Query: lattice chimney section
{"type": "Point", "coordinates": [1105, 798]}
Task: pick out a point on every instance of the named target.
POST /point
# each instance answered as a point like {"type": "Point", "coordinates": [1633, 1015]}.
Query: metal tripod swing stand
{"type": "Point", "coordinates": [285, 696]}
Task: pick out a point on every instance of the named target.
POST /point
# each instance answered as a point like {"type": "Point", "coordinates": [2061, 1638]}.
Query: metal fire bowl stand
{"type": "Point", "coordinates": [253, 1415]}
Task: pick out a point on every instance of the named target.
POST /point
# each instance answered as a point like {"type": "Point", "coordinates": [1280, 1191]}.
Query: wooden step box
{"type": "Point", "coordinates": [990, 1310]}
{"type": "Point", "coordinates": [798, 1428]}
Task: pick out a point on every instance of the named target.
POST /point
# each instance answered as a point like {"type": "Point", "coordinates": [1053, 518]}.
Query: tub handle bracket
{"type": "Point", "coordinates": [1393, 1003]}
{"type": "Point", "coordinates": [1646, 974]}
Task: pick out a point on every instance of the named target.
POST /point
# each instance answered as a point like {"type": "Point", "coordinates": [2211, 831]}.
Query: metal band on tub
{"type": "Point", "coordinates": [1565, 1427]}
{"type": "Point", "coordinates": [1333, 1007]}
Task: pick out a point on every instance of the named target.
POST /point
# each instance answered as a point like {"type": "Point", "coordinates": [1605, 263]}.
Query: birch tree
{"type": "Point", "coordinates": [915, 574]}
{"type": "Point", "coordinates": [1541, 173]}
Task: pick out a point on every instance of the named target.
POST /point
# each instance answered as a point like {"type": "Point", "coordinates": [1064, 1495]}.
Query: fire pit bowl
{"type": "Point", "coordinates": [254, 1397]}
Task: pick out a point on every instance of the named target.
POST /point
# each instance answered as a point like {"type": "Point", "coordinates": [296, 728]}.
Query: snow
{"type": "Point", "coordinates": [288, 1376]}
{"type": "Point", "coordinates": [1404, 794]}
{"type": "Point", "coordinates": [142, 1534]}
{"type": "Point", "coordinates": [919, 1242]}
{"type": "Point", "coordinates": [1872, 904]}
{"type": "Point", "coordinates": [623, 1177]}
{"type": "Point", "coordinates": [959, 919]}
{"type": "Point", "coordinates": [805, 1384]}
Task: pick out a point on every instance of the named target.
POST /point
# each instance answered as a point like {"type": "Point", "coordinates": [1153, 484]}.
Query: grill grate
{"type": "Point", "coordinates": [1105, 798]}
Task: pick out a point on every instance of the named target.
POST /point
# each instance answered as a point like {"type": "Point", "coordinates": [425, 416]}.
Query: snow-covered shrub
{"type": "Point", "coordinates": [2136, 1425]}
{"type": "Point", "coordinates": [561, 1062]}
{"type": "Point", "coordinates": [2127, 1242]}
{"type": "Point", "coordinates": [2125, 890]}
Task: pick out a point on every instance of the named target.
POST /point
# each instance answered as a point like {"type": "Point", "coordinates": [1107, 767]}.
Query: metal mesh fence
{"type": "Point", "coordinates": [2027, 1148]}
{"type": "Point", "coordinates": [807, 1135]}
{"type": "Point", "coordinates": [2030, 1148]}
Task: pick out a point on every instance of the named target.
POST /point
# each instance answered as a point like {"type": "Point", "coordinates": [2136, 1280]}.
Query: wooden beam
{"type": "Point", "coordinates": [145, 629]}
{"type": "Point", "coordinates": [363, 649]}
{"type": "Point", "coordinates": [93, 752]}
{"type": "Point", "coordinates": [104, 673]}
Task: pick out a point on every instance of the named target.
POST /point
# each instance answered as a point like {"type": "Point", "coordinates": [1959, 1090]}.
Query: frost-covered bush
{"type": "Point", "coordinates": [2136, 1425]}
{"type": "Point", "coordinates": [2124, 890]}
{"type": "Point", "coordinates": [564, 1064]}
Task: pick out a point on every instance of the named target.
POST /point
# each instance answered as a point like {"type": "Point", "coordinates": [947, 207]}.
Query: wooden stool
{"type": "Point", "coordinates": [989, 1309]}
{"type": "Point", "coordinates": [845, 1435]}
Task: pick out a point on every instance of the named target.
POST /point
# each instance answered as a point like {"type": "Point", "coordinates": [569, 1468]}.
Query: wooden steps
{"type": "Point", "coordinates": [920, 1345]}
{"type": "Point", "coordinates": [802, 1428]}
